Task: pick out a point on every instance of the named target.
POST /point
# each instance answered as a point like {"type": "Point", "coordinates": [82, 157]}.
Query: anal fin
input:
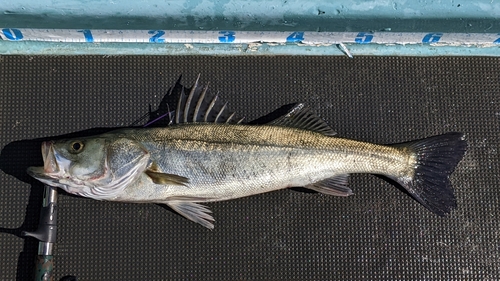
{"type": "Point", "coordinates": [194, 212]}
{"type": "Point", "coordinates": [336, 186]}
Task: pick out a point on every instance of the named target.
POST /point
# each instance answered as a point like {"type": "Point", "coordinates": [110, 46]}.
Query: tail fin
{"type": "Point", "coordinates": [436, 158]}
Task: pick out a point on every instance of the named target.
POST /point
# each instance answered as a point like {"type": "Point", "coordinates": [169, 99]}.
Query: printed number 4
{"type": "Point", "coordinates": [295, 37]}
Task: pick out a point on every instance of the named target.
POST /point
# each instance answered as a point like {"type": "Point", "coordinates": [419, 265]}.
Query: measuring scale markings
{"type": "Point", "coordinates": [239, 37]}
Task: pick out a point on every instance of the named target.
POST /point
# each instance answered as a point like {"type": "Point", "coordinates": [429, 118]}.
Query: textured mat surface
{"type": "Point", "coordinates": [380, 233]}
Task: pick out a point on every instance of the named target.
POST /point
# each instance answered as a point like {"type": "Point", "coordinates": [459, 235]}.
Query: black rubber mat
{"type": "Point", "coordinates": [380, 233]}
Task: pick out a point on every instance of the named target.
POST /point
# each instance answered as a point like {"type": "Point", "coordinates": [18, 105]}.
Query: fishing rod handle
{"type": "Point", "coordinates": [44, 268]}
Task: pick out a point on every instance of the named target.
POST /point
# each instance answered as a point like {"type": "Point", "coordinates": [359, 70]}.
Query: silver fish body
{"type": "Point", "coordinates": [191, 162]}
{"type": "Point", "coordinates": [225, 162]}
{"type": "Point", "coordinates": [214, 162]}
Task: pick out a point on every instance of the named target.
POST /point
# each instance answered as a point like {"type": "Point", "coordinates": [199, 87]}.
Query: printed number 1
{"type": "Point", "coordinates": [87, 34]}
{"type": "Point", "coordinates": [12, 34]}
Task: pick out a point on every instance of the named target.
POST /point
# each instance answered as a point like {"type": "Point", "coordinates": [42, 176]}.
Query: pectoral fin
{"type": "Point", "coordinates": [193, 211]}
{"type": "Point", "coordinates": [163, 178]}
{"type": "Point", "coordinates": [333, 186]}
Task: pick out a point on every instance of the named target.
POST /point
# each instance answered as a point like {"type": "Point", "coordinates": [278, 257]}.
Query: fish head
{"type": "Point", "coordinates": [95, 167]}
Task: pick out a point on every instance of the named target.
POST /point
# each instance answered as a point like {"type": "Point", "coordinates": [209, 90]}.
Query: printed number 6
{"type": "Point", "coordinates": [156, 38]}
{"type": "Point", "coordinates": [432, 37]}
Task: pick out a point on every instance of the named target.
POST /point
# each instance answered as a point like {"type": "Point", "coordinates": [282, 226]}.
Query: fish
{"type": "Point", "coordinates": [204, 153]}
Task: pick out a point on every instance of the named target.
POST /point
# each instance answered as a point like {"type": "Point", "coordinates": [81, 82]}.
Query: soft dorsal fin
{"type": "Point", "coordinates": [302, 118]}
{"type": "Point", "coordinates": [199, 105]}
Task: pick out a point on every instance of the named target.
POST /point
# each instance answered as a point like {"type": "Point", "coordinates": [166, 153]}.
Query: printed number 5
{"type": "Point", "coordinates": [156, 38]}
{"type": "Point", "coordinates": [364, 38]}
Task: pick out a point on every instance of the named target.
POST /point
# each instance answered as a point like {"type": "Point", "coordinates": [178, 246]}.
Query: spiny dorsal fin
{"type": "Point", "coordinates": [182, 105]}
{"type": "Point", "coordinates": [199, 105]}
{"type": "Point", "coordinates": [302, 118]}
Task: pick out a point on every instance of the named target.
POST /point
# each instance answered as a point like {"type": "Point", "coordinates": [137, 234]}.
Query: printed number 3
{"type": "Point", "coordinates": [226, 36]}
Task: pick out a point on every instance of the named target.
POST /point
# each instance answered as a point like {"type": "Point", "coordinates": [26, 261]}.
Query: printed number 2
{"type": "Point", "coordinates": [87, 34]}
{"type": "Point", "coordinates": [432, 37]}
{"type": "Point", "coordinates": [12, 34]}
{"type": "Point", "coordinates": [156, 38]}
{"type": "Point", "coordinates": [364, 37]}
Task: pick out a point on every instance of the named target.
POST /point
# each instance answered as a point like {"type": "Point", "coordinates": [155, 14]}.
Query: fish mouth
{"type": "Point", "coordinates": [50, 167]}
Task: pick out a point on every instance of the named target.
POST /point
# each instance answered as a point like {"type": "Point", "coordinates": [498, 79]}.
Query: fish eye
{"type": "Point", "coordinates": [76, 147]}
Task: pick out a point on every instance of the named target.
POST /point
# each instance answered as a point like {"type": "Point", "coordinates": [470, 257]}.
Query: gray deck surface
{"type": "Point", "coordinates": [380, 233]}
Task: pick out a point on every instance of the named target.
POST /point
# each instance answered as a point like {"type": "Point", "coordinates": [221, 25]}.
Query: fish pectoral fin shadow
{"type": "Point", "coordinates": [163, 178]}
{"type": "Point", "coordinates": [194, 212]}
{"type": "Point", "coordinates": [336, 186]}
